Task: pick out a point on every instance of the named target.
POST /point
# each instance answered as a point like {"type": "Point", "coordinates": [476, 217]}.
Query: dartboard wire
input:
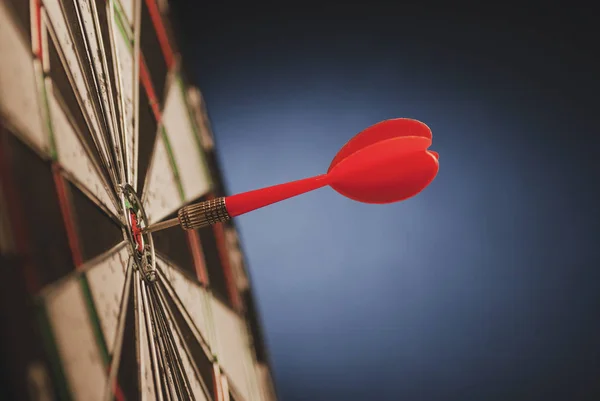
{"type": "Point", "coordinates": [152, 345]}
{"type": "Point", "coordinates": [163, 369]}
{"type": "Point", "coordinates": [116, 18]}
{"type": "Point", "coordinates": [120, 122]}
{"type": "Point", "coordinates": [158, 337]}
{"type": "Point", "coordinates": [161, 291]}
{"type": "Point", "coordinates": [81, 270]}
{"type": "Point", "coordinates": [177, 301]}
{"type": "Point", "coordinates": [95, 131]}
{"type": "Point", "coordinates": [169, 347]}
{"type": "Point", "coordinates": [142, 332]}
{"type": "Point", "coordinates": [102, 82]}
{"type": "Point", "coordinates": [200, 339]}
{"type": "Point", "coordinates": [136, 93]}
{"type": "Point", "coordinates": [111, 382]}
{"type": "Point", "coordinates": [169, 326]}
{"type": "Point", "coordinates": [110, 191]}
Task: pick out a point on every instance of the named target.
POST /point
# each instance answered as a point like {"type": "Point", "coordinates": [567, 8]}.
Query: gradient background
{"type": "Point", "coordinates": [486, 286]}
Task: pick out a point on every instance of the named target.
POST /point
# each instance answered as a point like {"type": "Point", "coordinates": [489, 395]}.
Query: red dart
{"type": "Point", "coordinates": [387, 162]}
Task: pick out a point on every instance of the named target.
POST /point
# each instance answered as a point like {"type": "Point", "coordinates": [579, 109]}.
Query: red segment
{"type": "Point", "coordinates": [161, 32]}
{"type": "Point", "coordinates": [388, 129]}
{"type": "Point", "coordinates": [136, 231]}
{"type": "Point", "coordinates": [198, 256]}
{"type": "Point", "coordinates": [147, 83]}
{"type": "Point", "coordinates": [37, 23]}
{"type": "Point", "coordinates": [67, 213]}
{"type": "Point", "coordinates": [219, 232]}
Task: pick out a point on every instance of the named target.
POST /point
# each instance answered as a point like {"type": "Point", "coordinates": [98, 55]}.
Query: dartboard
{"type": "Point", "coordinates": [100, 136]}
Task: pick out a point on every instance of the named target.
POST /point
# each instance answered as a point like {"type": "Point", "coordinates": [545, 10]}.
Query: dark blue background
{"type": "Point", "coordinates": [486, 286]}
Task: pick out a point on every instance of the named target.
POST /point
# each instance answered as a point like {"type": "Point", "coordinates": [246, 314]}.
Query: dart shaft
{"type": "Point", "coordinates": [252, 200]}
{"type": "Point", "coordinates": [194, 216]}
{"type": "Point", "coordinates": [161, 226]}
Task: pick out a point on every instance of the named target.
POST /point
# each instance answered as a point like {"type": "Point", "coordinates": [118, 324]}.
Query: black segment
{"type": "Point", "coordinates": [148, 128]}
{"type": "Point", "coordinates": [21, 343]}
{"type": "Point", "coordinates": [101, 7]}
{"type": "Point", "coordinates": [127, 377]}
{"type": "Point", "coordinates": [79, 41]}
{"type": "Point", "coordinates": [202, 361]}
{"type": "Point", "coordinates": [97, 231]}
{"type": "Point", "coordinates": [215, 174]}
{"type": "Point", "coordinates": [214, 267]}
{"type": "Point", "coordinates": [255, 328]}
{"type": "Point", "coordinates": [22, 12]}
{"type": "Point", "coordinates": [66, 92]}
{"type": "Point", "coordinates": [37, 197]}
{"type": "Point", "coordinates": [150, 46]}
{"type": "Point", "coordinates": [174, 245]}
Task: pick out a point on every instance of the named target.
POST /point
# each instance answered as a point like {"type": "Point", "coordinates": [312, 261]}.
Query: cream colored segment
{"type": "Point", "coordinates": [125, 62]}
{"type": "Point", "coordinates": [193, 297]}
{"type": "Point", "coordinates": [19, 101]}
{"type": "Point", "coordinates": [128, 6]}
{"type": "Point", "coordinates": [197, 103]}
{"type": "Point", "coordinates": [107, 281]}
{"type": "Point", "coordinates": [265, 382]}
{"type": "Point", "coordinates": [191, 166]}
{"type": "Point", "coordinates": [81, 359]}
{"type": "Point", "coordinates": [68, 49]}
{"type": "Point", "coordinates": [72, 155]}
{"type": "Point", "coordinates": [233, 350]}
{"type": "Point", "coordinates": [236, 259]}
{"type": "Point", "coordinates": [161, 196]}
{"type": "Point", "coordinates": [143, 335]}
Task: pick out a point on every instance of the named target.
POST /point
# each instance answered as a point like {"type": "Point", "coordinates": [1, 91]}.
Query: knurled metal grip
{"type": "Point", "coordinates": [203, 214]}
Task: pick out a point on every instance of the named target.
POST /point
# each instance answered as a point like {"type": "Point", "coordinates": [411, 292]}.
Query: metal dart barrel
{"type": "Point", "coordinates": [195, 216]}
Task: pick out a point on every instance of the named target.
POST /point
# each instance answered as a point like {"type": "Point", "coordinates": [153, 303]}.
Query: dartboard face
{"type": "Point", "coordinates": [100, 136]}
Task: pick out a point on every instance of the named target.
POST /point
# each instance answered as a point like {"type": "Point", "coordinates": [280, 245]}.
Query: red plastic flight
{"type": "Point", "coordinates": [387, 162]}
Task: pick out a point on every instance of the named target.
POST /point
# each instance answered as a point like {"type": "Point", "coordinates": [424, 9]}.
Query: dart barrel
{"type": "Point", "coordinates": [203, 214]}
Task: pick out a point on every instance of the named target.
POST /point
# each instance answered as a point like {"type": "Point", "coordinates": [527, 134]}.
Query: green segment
{"type": "Point", "coordinates": [94, 319]}
{"type": "Point", "coordinates": [46, 112]}
{"type": "Point", "coordinates": [123, 27]}
{"type": "Point", "coordinates": [173, 164]}
{"type": "Point", "coordinates": [50, 346]}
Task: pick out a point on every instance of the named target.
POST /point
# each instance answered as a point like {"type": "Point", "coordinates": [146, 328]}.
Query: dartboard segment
{"type": "Point", "coordinates": [234, 350]}
{"type": "Point", "coordinates": [73, 157]}
{"type": "Point", "coordinates": [126, 72]}
{"type": "Point", "coordinates": [19, 102]}
{"type": "Point", "coordinates": [106, 280]}
{"type": "Point", "coordinates": [186, 374]}
{"type": "Point", "coordinates": [35, 200]}
{"type": "Point", "coordinates": [192, 297]}
{"type": "Point", "coordinates": [81, 356]}
{"type": "Point", "coordinates": [72, 48]}
{"type": "Point", "coordinates": [185, 143]}
{"type": "Point", "coordinates": [161, 193]}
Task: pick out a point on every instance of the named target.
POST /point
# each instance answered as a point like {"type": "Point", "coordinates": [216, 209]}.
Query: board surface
{"type": "Point", "coordinates": [94, 103]}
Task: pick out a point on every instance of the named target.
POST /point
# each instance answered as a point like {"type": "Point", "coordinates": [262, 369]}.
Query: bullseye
{"type": "Point", "coordinates": [140, 243]}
